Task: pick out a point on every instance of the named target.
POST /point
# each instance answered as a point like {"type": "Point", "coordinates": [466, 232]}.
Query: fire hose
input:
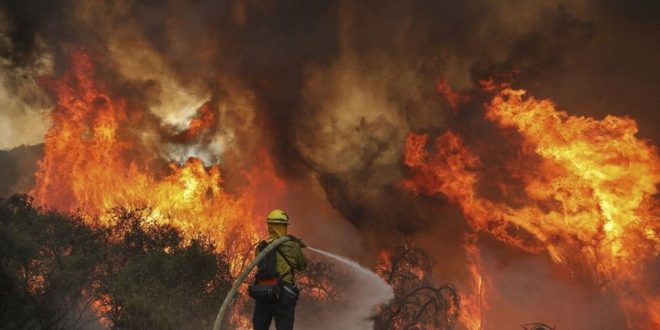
{"type": "Point", "coordinates": [241, 278]}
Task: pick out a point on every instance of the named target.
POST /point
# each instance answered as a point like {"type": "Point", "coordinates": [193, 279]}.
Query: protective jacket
{"type": "Point", "coordinates": [295, 259]}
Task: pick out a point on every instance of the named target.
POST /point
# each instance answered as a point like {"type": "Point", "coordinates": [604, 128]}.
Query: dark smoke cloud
{"type": "Point", "coordinates": [13, 164]}
{"type": "Point", "coordinates": [381, 86]}
{"type": "Point", "coordinates": [335, 86]}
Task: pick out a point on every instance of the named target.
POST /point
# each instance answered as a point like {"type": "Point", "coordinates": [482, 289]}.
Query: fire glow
{"type": "Point", "coordinates": [590, 200]}
{"type": "Point", "coordinates": [93, 162]}
{"type": "Point", "coordinates": [595, 181]}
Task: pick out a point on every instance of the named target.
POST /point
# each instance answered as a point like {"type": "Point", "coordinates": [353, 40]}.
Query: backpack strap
{"type": "Point", "coordinates": [260, 246]}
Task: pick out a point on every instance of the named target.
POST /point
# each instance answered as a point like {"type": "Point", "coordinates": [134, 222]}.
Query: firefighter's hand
{"type": "Point", "coordinates": [297, 240]}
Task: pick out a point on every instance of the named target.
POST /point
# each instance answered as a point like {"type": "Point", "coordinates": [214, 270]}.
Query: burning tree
{"type": "Point", "coordinates": [417, 304]}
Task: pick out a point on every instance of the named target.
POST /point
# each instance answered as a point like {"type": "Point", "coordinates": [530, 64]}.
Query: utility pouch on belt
{"type": "Point", "coordinates": [267, 293]}
{"type": "Point", "coordinates": [291, 291]}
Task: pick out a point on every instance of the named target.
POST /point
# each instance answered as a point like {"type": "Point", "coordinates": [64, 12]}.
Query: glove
{"type": "Point", "coordinates": [297, 240]}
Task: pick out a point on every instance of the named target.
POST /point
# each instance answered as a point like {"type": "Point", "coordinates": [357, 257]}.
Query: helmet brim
{"type": "Point", "coordinates": [284, 222]}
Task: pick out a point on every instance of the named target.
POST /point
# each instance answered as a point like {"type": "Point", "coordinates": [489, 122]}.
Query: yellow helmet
{"type": "Point", "coordinates": [277, 216]}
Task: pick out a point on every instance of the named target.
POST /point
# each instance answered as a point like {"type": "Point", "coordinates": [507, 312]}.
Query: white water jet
{"type": "Point", "coordinates": [367, 291]}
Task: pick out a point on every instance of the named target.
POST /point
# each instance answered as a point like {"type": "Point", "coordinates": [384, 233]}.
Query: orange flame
{"type": "Point", "coordinates": [206, 120]}
{"type": "Point", "coordinates": [94, 160]}
{"type": "Point", "coordinates": [453, 98]}
{"type": "Point", "coordinates": [473, 302]}
{"type": "Point", "coordinates": [592, 195]}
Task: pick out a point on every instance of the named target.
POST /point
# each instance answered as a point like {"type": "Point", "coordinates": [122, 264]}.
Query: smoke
{"type": "Point", "coordinates": [13, 164]}
{"type": "Point", "coordinates": [23, 117]}
{"type": "Point", "coordinates": [525, 290]}
{"type": "Point", "coordinates": [331, 88]}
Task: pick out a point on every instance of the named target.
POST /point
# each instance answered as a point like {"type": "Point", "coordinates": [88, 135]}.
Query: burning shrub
{"type": "Point", "coordinates": [417, 304]}
{"type": "Point", "coordinates": [60, 272]}
{"type": "Point", "coordinates": [156, 279]}
{"type": "Point", "coordinates": [48, 267]}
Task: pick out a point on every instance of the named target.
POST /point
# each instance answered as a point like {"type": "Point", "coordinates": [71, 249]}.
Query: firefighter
{"type": "Point", "coordinates": [286, 260]}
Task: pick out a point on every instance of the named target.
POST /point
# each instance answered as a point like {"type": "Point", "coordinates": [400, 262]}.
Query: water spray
{"type": "Point", "coordinates": [367, 291]}
{"type": "Point", "coordinates": [354, 265]}
{"type": "Point", "coordinates": [364, 272]}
